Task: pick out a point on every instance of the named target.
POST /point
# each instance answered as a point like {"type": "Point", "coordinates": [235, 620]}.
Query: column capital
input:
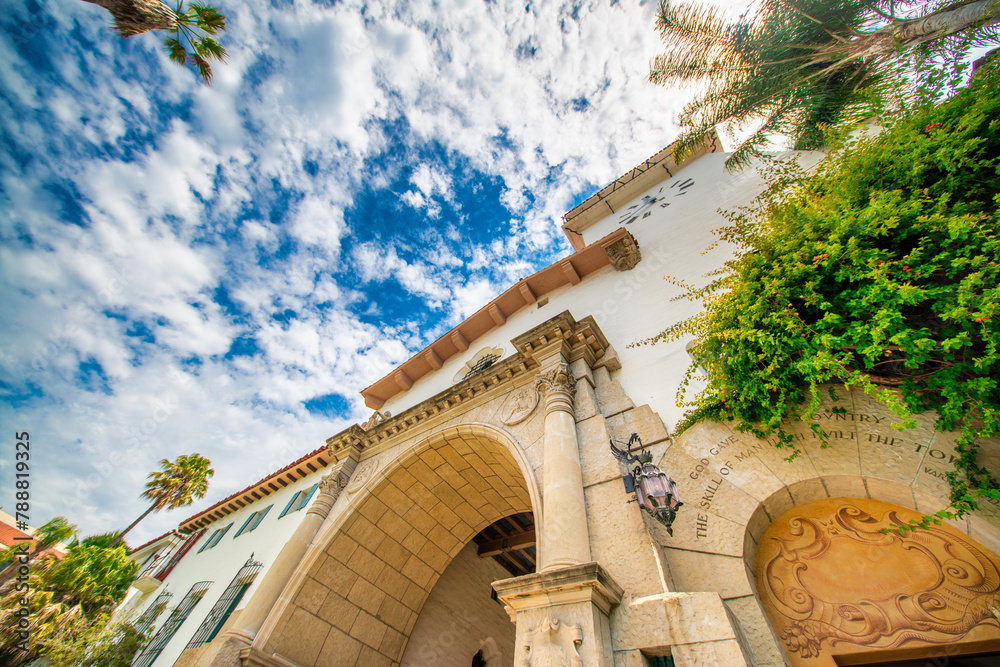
{"type": "Point", "coordinates": [558, 387]}
{"type": "Point", "coordinates": [331, 486]}
{"type": "Point", "coordinates": [558, 379]}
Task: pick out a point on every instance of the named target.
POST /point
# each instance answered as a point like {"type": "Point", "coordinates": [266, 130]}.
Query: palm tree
{"type": "Point", "coordinates": [54, 531]}
{"type": "Point", "coordinates": [190, 30]}
{"type": "Point", "coordinates": [795, 65]}
{"type": "Point", "coordinates": [176, 484]}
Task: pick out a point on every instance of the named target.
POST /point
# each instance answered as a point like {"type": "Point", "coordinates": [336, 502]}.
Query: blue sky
{"type": "Point", "coordinates": [221, 270]}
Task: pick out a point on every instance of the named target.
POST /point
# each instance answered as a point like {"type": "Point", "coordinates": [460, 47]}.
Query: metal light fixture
{"type": "Point", "coordinates": [655, 492]}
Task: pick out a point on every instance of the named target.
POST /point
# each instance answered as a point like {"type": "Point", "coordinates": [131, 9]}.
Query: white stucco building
{"type": "Point", "coordinates": [479, 517]}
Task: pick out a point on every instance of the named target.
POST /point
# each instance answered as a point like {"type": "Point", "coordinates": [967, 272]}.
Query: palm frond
{"type": "Point", "coordinates": [209, 18]}
{"type": "Point", "coordinates": [175, 50]}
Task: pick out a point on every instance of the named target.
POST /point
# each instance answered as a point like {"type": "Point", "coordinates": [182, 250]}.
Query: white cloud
{"type": "Point", "coordinates": [172, 190]}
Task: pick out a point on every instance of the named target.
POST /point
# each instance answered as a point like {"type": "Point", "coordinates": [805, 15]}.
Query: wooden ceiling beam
{"type": "Point", "coordinates": [507, 544]}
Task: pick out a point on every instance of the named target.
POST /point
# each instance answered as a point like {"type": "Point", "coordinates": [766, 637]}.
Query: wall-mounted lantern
{"type": "Point", "coordinates": [654, 490]}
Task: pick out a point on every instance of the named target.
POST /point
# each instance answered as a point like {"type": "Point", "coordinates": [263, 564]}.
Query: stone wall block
{"type": "Point", "coordinates": [778, 504]}
{"type": "Point", "coordinates": [619, 539]}
{"type": "Point", "coordinates": [713, 447]}
{"type": "Point", "coordinates": [702, 531]}
{"type": "Point", "coordinates": [303, 646]}
{"type": "Point", "coordinates": [841, 454]}
{"type": "Point", "coordinates": [610, 396]}
{"type": "Point", "coordinates": [629, 659]}
{"type": "Point", "coordinates": [710, 654]}
{"type": "Point", "coordinates": [807, 489]}
{"type": "Point", "coordinates": [758, 523]}
{"type": "Point", "coordinates": [890, 492]}
{"type": "Point", "coordinates": [641, 420]}
{"type": "Point", "coordinates": [927, 503]}
{"type": "Point", "coordinates": [670, 620]}
{"type": "Point", "coordinates": [693, 571]}
{"type": "Point", "coordinates": [758, 631]}
{"type": "Point", "coordinates": [585, 400]}
{"type": "Point", "coordinates": [596, 460]}
{"type": "Point", "coordinates": [705, 488]}
{"type": "Point", "coordinates": [985, 533]}
{"type": "Point", "coordinates": [845, 486]}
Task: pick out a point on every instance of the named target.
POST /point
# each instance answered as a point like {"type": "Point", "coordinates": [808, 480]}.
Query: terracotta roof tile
{"type": "Point", "coordinates": [186, 526]}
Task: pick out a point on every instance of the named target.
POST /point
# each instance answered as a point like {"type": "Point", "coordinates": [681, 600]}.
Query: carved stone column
{"type": "Point", "coordinates": [276, 577]}
{"type": "Point", "coordinates": [565, 539]}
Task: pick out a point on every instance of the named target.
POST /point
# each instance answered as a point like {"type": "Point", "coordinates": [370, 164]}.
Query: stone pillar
{"type": "Point", "coordinates": [562, 615]}
{"type": "Point", "coordinates": [565, 539]}
{"type": "Point", "coordinates": [276, 577]}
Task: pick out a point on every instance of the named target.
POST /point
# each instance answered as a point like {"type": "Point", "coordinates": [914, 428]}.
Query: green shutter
{"type": "Point", "coordinates": [291, 502]}
{"type": "Point", "coordinates": [260, 517]}
{"type": "Point", "coordinates": [309, 494]}
{"type": "Point", "coordinates": [245, 524]}
{"type": "Point", "coordinates": [208, 541]}
{"type": "Point", "coordinates": [221, 534]}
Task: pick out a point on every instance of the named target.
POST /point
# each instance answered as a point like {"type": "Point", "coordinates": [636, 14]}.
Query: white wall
{"type": "Point", "coordinates": [221, 563]}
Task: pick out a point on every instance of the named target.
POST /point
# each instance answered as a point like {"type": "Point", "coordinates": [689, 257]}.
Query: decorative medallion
{"type": "Point", "coordinates": [553, 643]}
{"type": "Point", "coordinates": [519, 405]}
{"type": "Point", "coordinates": [829, 579]}
{"type": "Point", "coordinates": [363, 474]}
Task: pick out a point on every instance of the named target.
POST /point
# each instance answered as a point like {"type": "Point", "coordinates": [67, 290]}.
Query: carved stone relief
{"type": "Point", "coordinates": [377, 418]}
{"type": "Point", "coordinates": [624, 254]}
{"type": "Point", "coordinates": [334, 483]}
{"type": "Point", "coordinates": [363, 474]}
{"type": "Point", "coordinates": [519, 405]}
{"type": "Point", "coordinates": [553, 643]}
{"type": "Point", "coordinates": [557, 379]}
{"type": "Point", "coordinates": [831, 582]}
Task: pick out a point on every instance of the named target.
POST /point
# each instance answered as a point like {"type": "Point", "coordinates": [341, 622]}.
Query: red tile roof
{"type": "Point", "coordinates": [9, 533]}
{"type": "Point", "coordinates": [277, 480]}
{"type": "Point", "coordinates": [173, 531]}
{"type": "Point", "coordinates": [9, 537]}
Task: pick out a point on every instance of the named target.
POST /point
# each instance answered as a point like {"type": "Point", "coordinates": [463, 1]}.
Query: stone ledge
{"type": "Point", "coordinates": [251, 657]}
{"type": "Point", "coordinates": [566, 585]}
{"type": "Point", "coordinates": [671, 619]}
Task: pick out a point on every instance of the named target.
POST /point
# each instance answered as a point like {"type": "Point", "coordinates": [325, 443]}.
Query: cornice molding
{"type": "Point", "coordinates": [581, 339]}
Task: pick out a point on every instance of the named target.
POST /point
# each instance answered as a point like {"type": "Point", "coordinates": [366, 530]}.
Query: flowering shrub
{"type": "Point", "coordinates": [880, 271]}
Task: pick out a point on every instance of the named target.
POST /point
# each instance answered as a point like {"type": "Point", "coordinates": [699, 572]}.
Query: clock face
{"type": "Point", "coordinates": [643, 208]}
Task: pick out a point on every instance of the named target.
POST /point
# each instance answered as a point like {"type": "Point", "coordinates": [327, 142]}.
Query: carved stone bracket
{"type": "Point", "coordinates": [542, 605]}
{"type": "Point", "coordinates": [624, 253]}
{"type": "Point", "coordinates": [553, 643]}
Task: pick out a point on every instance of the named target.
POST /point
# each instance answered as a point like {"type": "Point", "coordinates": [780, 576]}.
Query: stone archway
{"type": "Point", "coordinates": [361, 596]}
{"type": "Point", "coordinates": [838, 590]}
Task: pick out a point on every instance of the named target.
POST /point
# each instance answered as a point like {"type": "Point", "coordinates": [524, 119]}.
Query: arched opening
{"type": "Point", "coordinates": [840, 587]}
{"type": "Point", "coordinates": [414, 519]}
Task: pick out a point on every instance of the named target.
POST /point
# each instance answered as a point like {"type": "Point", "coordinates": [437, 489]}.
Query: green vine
{"type": "Point", "coordinates": [880, 272]}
